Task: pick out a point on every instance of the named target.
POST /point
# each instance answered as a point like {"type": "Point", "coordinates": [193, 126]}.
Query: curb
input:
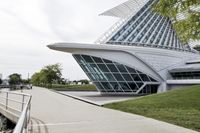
{"type": "Point", "coordinates": [78, 98]}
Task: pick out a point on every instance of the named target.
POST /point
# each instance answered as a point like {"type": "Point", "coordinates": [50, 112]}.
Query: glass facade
{"type": "Point", "coordinates": [147, 28]}
{"type": "Point", "coordinates": [186, 75]}
{"type": "Point", "coordinates": [113, 77]}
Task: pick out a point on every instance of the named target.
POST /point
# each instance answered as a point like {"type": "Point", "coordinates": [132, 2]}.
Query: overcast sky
{"type": "Point", "coordinates": [28, 26]}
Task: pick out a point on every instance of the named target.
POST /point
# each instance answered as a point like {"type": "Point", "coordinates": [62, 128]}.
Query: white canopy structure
{"type": "Point", "coordinates": [125, 9]}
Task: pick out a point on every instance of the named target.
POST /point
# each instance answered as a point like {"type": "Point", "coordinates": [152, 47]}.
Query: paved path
{"type": "Point", "coordinates": [54, 113]}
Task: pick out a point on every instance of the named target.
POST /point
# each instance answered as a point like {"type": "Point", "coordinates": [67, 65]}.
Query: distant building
{"type": "Point", "coordinates": [141, 54]}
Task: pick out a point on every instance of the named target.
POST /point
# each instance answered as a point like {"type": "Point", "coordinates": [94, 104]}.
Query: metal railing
{"type": "Point", "coordinates": [104, 37]}
{"type": "Point", "coordinates": [4, 86]}
{"type": "Point", "coordinates": [19, 104]}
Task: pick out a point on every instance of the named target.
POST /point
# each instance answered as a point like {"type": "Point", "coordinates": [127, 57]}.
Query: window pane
{"type": "Point", "coordinates": [118, 77]}
{"type": "Point", "coordinates": [131, 70]}
{"type": "Point", "coordinates": [135, 77]}
{"type": "Point", "coordinates": [112, 68]}
{"type": "Point", "coordinates": [88, 59]}
{"type": "Point", "coordinates": [103, 67]}
{"type": "Point", "coordinates": [127, 77]}
{"type": "Point", "coordinates": [107, 86]}
{"type": "Point", "coordinates": [87, 68]}
{"type": "Point", "coordinates": [103, 77]}
{"type": "Point", "coordinates": [78, 58]}
{"type": "Point", "coordinates": [121, 68]}
{"type": "Point", "coordinates": [139, 84]}
{"type": "Point", "coordinates": [96, 76]}
{"type": "Point", "coordinates": [144, 77]}
{"type": "Point", "coordinates": [125, 87]}
{"type": "Point", "coordinates": [116, 86]}
{"type": "Point", "coordinates": [84, 68]}
{"type": "Point", "coordinates": [97, 60]}
{"type": "Point", "coordinates": [99, 86]}
{"type": "Point", "coordinates": [92, 77]}
{"type": "Point", "coordinates": [133, 86]}
{"type": "Point", "coordinates": [109, 77]}
{"type": "Point", "coordinates": [107, 61]}
{"type": "Point", "coordinates": [90, 68]}
{"type": "Point", "coordinates": [95, 68]}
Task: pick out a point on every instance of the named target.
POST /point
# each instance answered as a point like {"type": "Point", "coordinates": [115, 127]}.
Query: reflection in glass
{"type": "Point", "coordinates": [112, 77]}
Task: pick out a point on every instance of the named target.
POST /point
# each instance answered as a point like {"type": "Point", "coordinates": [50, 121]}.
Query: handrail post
{"type": "Point", "coordinates": [6, 100]}
{"type": "Point", "coordinates": [29, 108]}
{"type": "Point", "coordinates": [26, 122]}
{"type": "Point", "coordinates": [23, 102]}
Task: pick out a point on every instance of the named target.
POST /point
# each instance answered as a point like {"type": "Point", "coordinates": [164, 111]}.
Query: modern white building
{"type": "Point", "coordinates": [141, 54]}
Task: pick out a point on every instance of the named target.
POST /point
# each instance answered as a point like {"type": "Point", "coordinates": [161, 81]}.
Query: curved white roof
{"type": "Point", "coordinates": [125, 9]}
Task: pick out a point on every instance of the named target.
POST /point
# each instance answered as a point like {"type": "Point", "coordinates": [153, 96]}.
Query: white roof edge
{"type": "Point", "coordinates": [125, 9]}
{"type": "Point", "coordinates": [72, 47]}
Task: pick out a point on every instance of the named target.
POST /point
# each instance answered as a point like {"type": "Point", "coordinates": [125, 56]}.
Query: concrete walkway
{"type": "Point", "coordinates": [55, 113]}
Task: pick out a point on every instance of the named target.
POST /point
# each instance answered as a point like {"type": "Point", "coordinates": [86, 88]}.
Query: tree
{"type": "Point", "coordinates": [52, 73]}
{"type": "Point", "coordinates": [62, 81]}
{"type": "Point", "coordinates": [185, 15]}
{"type": "Point", "coordinates": [1, 81]}
{"type": "Point", "coordinates": [48, 75]}
{"type": "Point", "coordinates": [25, 81]}
{"type": "Point", "coordinates": [84, 81]}
{"type": "Point", "coordinates": [15, 79]}
{"type": "Point", "coordinates": [35, 79]}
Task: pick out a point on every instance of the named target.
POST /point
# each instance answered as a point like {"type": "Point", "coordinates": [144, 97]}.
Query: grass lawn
{"type": "Point", "coordinates": [180, 107]}
{"type": "Point", "coordinates": [73, 87]}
